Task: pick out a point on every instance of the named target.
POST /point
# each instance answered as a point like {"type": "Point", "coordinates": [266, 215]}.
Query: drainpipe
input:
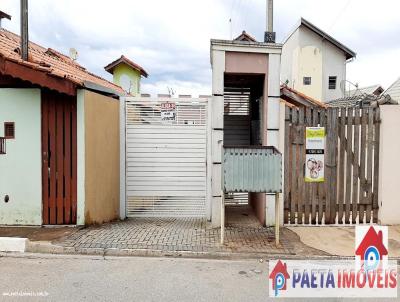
{"type": "Point", "coordinates": [24, 30]}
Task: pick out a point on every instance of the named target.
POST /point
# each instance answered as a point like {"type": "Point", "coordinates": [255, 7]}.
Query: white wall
{"type": "Point", "coordinates": [21, 167]}
{"type": "Point", "coordinates": [290, 59]}
{"type": "Point", "coordinates": [307, 54]}
{"type": "Point", "coordinates": [389, 165]}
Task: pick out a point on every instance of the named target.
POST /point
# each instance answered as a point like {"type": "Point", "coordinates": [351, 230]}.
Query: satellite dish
{"type": "Point", "coordinates": [73, 54]}
{"type": "Point", "coordinates": [126, 83]}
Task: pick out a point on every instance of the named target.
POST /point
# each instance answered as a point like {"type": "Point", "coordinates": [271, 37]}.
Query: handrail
{"type": "Point", "coordinates": [2, 145]}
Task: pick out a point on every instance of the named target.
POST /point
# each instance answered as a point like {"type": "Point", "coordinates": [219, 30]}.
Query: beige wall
{"type": "Point", "coordinates": [389, 165]}
{"type": "Point", "coordinates": [244, 62]}
{"type": "Point", "coordinates": [101, 158]}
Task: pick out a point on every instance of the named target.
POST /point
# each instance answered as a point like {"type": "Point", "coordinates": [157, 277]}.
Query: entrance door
{"type": "Point", "coordinates": [59, 163]}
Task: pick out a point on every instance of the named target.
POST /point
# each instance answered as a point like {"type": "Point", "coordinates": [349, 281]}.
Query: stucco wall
{"type": "Point", "coordinates": [20, 168]}
{"type": "Point", "coordinates": [134, 75]}
{"type": "Point", "coordinates": [306, 54]}
{"type": "Point", "coordinates": [389, 165]}
{"type": "Point", "coordinates": [101, 158]}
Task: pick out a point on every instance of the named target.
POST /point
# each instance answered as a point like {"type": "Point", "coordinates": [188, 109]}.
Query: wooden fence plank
{"type": "Point", "coordinates": [370, 162]}
{"type": "Point", "coordinates": [328, 166]}
{"type": "Point", "coordinates": [342, 132]}
{"type": "Point", "coordinates": [67, 161]}
{"type": "Point", "coordinates": [307, 188]}
{"type": "Point", "coordinates": [294, 196]}
{"type": "Point", "coordinates": [301, 154]}
{"type": "Point", "coordinates": [60, 160]}
{"type": "Point", "coordinates": [287, 166]}
{"type": "Point", "coordinates": [349, 161]}
{"type": "Point", "coordinates": [356, 166]}
{"type": "Point", "coordinates": [334, 175]}
{"type": "Point", "coordinates": [375, 203]}
{"type": "Point", "coordinates": [314, 186]}
{"type": "Point", "coordinates": [363, 141]}
{"type": "Point", "coordinates": [321, 186]}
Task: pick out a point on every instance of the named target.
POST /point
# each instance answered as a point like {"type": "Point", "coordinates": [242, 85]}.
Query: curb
{"type": "Point", "coordinates": [45, 247]}
{"type": "Point", "coordinates": [13, 244]}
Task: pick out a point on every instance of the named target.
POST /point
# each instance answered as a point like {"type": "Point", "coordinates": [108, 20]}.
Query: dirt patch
{"type": "Point", "coordinates": [37, 233]}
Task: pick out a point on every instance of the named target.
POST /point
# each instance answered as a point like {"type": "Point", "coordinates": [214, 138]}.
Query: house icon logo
{"type": "Point", "coordinates": [279, 276]}
{"type": "Point", "coordinates": [371, 249]}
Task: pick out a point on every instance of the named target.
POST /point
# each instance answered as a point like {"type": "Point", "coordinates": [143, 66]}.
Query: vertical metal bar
{"type": "Point", "coordinates": [277, 222]}
{"type": "Point", "coordinates": [24, 30]}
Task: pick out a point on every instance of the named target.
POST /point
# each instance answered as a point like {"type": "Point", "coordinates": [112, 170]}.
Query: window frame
{"type": "Point", "coordinates": [6, 124]}
{"type": "Point", "coordinates": [305, 82]}
{"type": "Point", "coordinates": [329, 82]}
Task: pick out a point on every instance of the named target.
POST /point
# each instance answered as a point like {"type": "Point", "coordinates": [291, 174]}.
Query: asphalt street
{"type": "Point", "coordinates": [90, 278]}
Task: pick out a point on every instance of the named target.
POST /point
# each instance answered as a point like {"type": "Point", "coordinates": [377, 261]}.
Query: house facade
{"type": "Point", "coordinates": [314, 63]}
{"type": "Point", "coordinates": [60, 164]}
{"type": "Point", "coordinates": [127, 74]}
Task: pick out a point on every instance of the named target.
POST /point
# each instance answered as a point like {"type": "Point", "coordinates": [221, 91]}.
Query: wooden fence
{"type": "Point", "coordinates": [349, 194]}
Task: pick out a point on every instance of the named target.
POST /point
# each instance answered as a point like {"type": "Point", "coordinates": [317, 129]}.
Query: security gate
{"type": "Point", "coordinates": [166, 151]}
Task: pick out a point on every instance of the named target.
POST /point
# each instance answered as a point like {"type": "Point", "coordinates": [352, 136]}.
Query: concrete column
{"type": "Point", "coordinates": [389, 165]}
{"type": "Point", "coordinates": [274, 119]}
{"type": "Point", "coordinates": [217, 134]}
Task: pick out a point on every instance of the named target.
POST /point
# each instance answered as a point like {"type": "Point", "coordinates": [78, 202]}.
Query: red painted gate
{"type": "Point", "coordinates": [59, 158]}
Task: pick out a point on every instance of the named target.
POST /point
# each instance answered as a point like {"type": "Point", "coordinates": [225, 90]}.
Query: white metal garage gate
{"type": "Point", "coordinates": [166, 155]}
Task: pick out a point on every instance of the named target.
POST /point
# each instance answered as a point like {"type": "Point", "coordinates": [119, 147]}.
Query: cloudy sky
{"type": "Point", "coordinates": [170, 39]}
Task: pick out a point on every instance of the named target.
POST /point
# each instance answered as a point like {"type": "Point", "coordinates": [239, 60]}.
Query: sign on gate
{"type": "Point", "coordinates": [315, 154]}
{"type": "Point", "coordinates": [168, 111]}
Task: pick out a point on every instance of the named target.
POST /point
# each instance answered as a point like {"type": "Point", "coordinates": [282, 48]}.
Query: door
{"type": "Point", "coordinates": [166, 146]}
{"type": "Point", "coordinates": [59, 158]}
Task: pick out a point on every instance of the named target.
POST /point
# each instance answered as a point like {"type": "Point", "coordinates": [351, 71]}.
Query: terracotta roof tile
{"type": "Point", "coordinates": [110, 67]}
{"type": "Point", "coordinates": [51, 61]}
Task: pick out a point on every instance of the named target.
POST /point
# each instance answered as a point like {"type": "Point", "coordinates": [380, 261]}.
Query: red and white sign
{"type": "Point", "coordinates": [168, 111]}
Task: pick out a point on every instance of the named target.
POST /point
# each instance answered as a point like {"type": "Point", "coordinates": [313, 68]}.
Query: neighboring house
{"type": "Point", "coordinates": [371, 96]}
{"type": "Point", "coordinates": [374, 89]}
{"type": "Point", "coordinates": [61, 129]}
{"type": "Point", "coordinates": [127, 74]}
{"type": "Point", "coordinates": [394, 91]}
{"type": "Point", "coordinates": [314, 63]}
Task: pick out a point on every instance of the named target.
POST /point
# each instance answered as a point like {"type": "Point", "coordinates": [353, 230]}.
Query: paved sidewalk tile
{"type": "Point", "coordinates": [243, 234]}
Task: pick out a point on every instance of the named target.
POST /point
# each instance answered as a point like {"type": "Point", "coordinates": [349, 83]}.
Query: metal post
{"type": "Point", "coordinates": [24, 30]}
{"type": "Point", "coordinates": [223, 218]}
{"type": "Point", "coordinates": [277, 222]}
{"type": "Point", "coordinates": [270, 16]}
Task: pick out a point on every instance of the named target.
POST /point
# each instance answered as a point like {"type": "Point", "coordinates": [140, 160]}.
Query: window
{"type": "Point", "coordinates": [307, 81]}
{"type": "Point", "coordinates": [332, 82]}
{"type": "Point", "coordinates": [9, 130]}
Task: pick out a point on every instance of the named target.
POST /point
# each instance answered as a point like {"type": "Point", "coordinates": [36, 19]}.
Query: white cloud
{"type": "Point", "coordinates": [170, 39]}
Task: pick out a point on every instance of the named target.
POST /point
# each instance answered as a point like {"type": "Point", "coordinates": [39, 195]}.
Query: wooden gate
{"type": "Point", "coordinates": [59, 162]}
{"type": "Point", "coordinates": [349, 194]}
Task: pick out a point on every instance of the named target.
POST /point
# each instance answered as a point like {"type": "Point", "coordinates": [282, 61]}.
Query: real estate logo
{"type": "Point", "coordinates": [371, 247]}
{"type": "Point", "coordinates": [369, 274]}
{"type": "Point", "coordinates": [279, 276]}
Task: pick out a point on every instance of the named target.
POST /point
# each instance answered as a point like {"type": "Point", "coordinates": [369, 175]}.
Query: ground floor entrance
{"type": "Point", "coordinates": [59, 158]}
{"type": "Point", "coordinates": [166, 157]}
